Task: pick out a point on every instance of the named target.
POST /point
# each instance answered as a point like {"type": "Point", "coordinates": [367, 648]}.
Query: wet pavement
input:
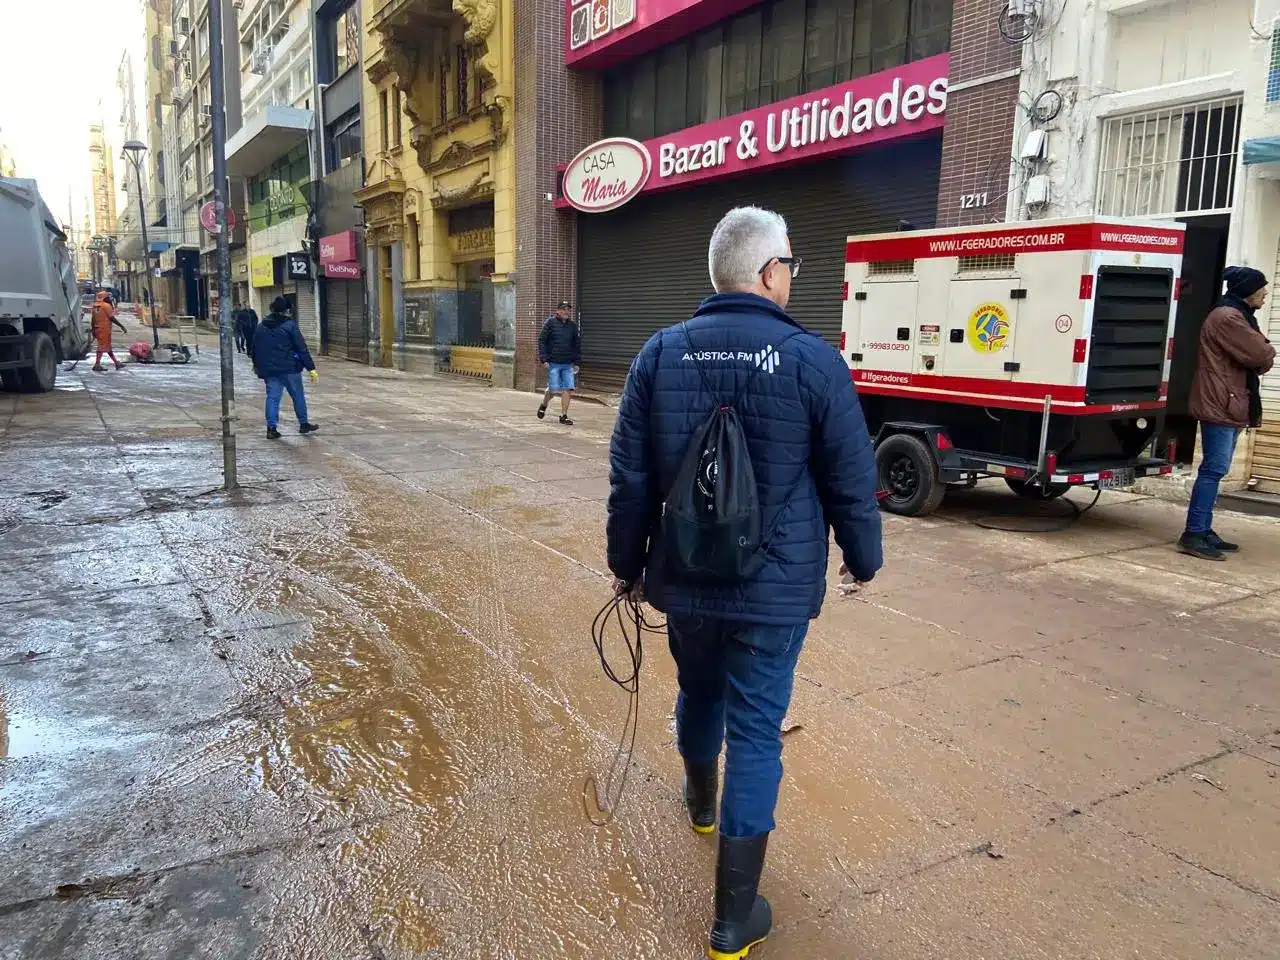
{"type": "Point", "coordinates": [348, 711]}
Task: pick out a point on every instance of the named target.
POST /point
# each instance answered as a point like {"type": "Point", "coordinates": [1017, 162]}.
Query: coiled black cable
{"type": "Point", "coordinates": [625, 609]}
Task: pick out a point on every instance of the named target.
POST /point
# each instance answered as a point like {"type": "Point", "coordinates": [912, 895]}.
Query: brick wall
{"type": "Point", "coordinates": [557, 113]}
{"type": "Point", "coordinates": [977, 141]}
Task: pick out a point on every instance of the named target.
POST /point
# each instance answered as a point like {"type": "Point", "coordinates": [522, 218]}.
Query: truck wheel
{"type": "Point", "coordinates": [908, 473]}
{"type": "Point", "coordinates": [43, 373]}
{"type": "Point", "coordinates": [1031, 491]}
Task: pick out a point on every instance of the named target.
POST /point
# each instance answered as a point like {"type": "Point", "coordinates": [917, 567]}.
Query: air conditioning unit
{"type": "Point", "coordinates": [261, 60]}
{"type": "Point", "coordinates": [173, 48]}
{"type": "Point", "coordinates": [237, 4]}
{"type": "Point", "coordinates": [206, 111]}
{"type": "Point", "coordinates": [184, 25]}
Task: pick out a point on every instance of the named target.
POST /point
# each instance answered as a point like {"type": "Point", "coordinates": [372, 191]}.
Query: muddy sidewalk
{"type": "Point", "coordinates": [348, 711]}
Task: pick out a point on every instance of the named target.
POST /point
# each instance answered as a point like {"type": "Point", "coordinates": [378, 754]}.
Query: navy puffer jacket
{"type": "Point", "coordinates": [278, 349]}
{"type": "Point", "coordinates": [809, 446]}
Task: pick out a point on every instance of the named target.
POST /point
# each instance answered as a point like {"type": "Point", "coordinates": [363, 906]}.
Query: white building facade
{"type": "Point", "coordinates": [273, 152]}
{"type": "Point", "coordinates": [1160, 109]}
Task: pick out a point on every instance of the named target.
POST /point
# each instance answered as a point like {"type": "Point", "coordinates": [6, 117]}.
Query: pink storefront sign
{"type": "Point", "coordinates": [338, 247]}
{"type": "Point", "coordinates": [601, 33]}
{"type": "Point", "coordinates": [903, 102]}
{"type": "Point", "coordinates": [342, 271]}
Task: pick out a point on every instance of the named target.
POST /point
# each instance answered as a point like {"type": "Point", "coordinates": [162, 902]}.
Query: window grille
{"type": "Point", "coordinates": [887, 268]}
{"type": "Point", "coordinates": [1172, 161]}
{"type": "Point", "coordinates": [1273, 67]}
{"type": "Point", "coordinates": [987, 263]}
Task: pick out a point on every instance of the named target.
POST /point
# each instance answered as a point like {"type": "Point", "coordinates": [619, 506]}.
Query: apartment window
{"type": "Point", "coordinates": [383, 128]}
{"type": "Point", "coordinates": [157, 110]}
{"type": "Point", "coordinates": [157, 55]}
{"type": "Point", "coordinates": [444, 88]}
{"type": "Point", "coordinates": [1170, 162]}
{"type": "Point", "coordinates": [413, 252]}
{"type": "Point", "coordinates": [202, 38]}
{"type": "Point", "coordinates": [395, 116]}
{"type": "Point", "coordinates": [463, 101]}
{"type": "Point", "coordinates": [346, 39]}
{"type": "Point", "coordinates": [344, 142]}
{"type": "Point", "coordinates": [779, 49]}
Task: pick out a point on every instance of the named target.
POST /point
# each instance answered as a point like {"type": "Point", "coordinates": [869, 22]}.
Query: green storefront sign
{"type": "Point", "coordinates": [278, 193]}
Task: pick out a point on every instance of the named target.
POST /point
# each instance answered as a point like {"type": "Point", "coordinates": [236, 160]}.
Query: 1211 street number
{"type": "Point", "coordinates": [970, 200]}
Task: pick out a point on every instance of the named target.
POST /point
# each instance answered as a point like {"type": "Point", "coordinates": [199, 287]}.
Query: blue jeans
{"type": "Point", "coordinates": [276, 386]}
{"type": "Point", "coordinates": [735, 686]}
{"type": "Point", "coordinates": [1218, 443]}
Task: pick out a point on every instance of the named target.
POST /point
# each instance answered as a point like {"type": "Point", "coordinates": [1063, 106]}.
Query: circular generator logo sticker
{"type": "Point", "coordinates": [989, 328]}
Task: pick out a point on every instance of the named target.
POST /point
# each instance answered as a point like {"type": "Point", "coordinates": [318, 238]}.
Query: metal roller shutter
{"type": "Point", "coordinates": [644, 267]}
{"type": "Point", "coordinates": [306, 312]}
{"type": "Point", "coordinates": [336, 320]}
{"type": "Point", "coordinates": [348, 332]}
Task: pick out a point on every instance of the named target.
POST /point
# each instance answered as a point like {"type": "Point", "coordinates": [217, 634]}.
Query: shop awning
{"type": "Point", "coordinates": [267, 136]}
{"type": "Point", "coordinates": [1262, 150]}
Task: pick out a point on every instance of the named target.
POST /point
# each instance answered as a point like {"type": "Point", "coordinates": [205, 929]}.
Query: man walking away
{"type": "Point", "coordinates": [279, 356]}
{"type": "Point", "coordinates": [250, 326]}
{"type": "Point", "coordinates": [103, 319]}
{"type": "Point", "coordinates": [787, 408]}
{"type": "Point", "coordinates": [1226, 397]}
{"type": "Point", "coordinates": [237, 314]}
{"type": "Point", "coordinates": [560, 351]}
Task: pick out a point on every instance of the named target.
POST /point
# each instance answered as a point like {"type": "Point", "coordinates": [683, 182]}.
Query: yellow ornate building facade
{"type": "Point", "coordinates": [439, 194]}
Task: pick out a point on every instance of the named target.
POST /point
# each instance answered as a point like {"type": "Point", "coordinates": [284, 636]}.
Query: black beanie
{"type": "Point", "coordinates": [1243, 281]}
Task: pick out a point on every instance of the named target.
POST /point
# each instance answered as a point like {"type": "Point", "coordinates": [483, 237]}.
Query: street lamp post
{"type": "Point", "coordinates": [134, 149]}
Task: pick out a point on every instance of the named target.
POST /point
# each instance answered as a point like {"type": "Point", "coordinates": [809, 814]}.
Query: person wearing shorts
{"type": "Point", "coordinates": [560, 351]}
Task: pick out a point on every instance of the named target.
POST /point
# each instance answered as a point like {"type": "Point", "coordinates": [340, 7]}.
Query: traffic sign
{"type": "Point", "coordinates": [209, 217]}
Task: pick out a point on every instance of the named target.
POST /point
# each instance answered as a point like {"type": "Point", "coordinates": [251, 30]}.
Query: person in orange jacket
{"type": "Point", "coordinates": [104, 315]}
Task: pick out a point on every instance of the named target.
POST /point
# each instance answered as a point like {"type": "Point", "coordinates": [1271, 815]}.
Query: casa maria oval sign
{"type": "Point", "coordinates": [606, 175]}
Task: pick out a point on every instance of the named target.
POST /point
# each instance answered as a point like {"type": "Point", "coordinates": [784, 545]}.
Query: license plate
{"type": "Point", "coordinates": [1119, 478]}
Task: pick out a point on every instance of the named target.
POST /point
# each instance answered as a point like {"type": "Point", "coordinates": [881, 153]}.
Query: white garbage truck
{"type": "Point", "coordinates": [1036, 352]}
{"type": "Point", "coordinates": [40, 322]}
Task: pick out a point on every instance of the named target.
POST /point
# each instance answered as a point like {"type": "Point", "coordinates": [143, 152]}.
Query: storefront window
{"type": "Point", "coordinates": [777, 50]}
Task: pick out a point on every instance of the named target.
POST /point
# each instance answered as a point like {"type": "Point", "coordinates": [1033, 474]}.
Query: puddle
{"type": "Point", "coordinates": [24, 735]}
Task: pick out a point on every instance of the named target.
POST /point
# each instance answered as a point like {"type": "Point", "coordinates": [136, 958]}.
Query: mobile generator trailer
{"type": "Point", "coordinates": [1038, 353]}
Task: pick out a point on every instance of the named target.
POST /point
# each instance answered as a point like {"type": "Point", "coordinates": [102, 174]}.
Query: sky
{"type": "Point", "coordinates": [57, 76]}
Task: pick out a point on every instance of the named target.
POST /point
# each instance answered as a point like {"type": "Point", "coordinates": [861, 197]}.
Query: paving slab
{"type": "Point", "coordinates": [1074, 740]}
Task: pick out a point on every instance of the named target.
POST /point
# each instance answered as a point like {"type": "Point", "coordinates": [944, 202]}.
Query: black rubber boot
{"type": "Point", "coordinates": [701, 781]}
{"type": "Point", "coordinates": [743, 917]}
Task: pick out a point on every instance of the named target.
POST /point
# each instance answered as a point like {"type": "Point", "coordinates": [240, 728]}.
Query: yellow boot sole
{"type": "Point", "coordinates": [714, 954]}
{"type": "Point", "coordinates": [702, 831]}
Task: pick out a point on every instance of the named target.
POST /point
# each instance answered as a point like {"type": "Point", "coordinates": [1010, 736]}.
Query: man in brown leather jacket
{"type": "Point", "coordinates": [1226, 398]}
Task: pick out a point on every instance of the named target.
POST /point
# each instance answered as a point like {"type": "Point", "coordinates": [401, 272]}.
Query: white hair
{"type": "Point", "coordinates": [744, 240]}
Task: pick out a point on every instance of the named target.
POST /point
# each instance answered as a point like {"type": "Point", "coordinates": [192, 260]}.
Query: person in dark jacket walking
{"type": "Point", "coordinates": [736, 645]}
{"type": "Point", "coordinates": [246, 322]}
{"type": "Point", "coordinates": [560, 351]}
{"type": "Point", "coordinates": [279, 357]}
{"type": "Point", "coordinates": [237, 319]}
{"type": "Point", "coordinates": [1226, 397]}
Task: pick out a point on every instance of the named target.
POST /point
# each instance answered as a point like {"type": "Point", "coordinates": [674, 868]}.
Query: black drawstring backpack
{"type": "Point", "coordinates": [711, 516]}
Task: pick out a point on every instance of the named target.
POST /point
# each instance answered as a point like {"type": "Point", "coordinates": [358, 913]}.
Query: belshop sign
{"type": "Point", "coordinates": [338, 256]}
{"type": "Point", "coordinates": [903, 102]}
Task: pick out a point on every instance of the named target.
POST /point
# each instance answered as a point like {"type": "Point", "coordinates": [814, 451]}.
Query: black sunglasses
{"type": "Point", "coordinates": [791, 262]}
